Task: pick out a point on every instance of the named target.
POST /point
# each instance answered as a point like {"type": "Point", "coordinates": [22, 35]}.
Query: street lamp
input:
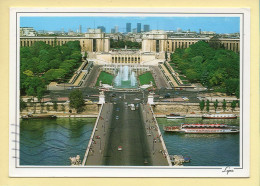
{"type": "Point", "coordinates": [100, 145]}
{"type": "Point", "coordinates": [153, 146]}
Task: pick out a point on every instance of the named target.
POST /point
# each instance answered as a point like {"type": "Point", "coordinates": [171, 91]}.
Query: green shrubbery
{"type": "Point", "coordinates": [214, 67]}
{"type": "Point", "coordinates": [41, 63]}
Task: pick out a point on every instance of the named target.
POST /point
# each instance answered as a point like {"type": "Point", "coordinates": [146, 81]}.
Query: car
{"type": "Point", "coordinates": [117, 109]}
{"type": "Point", "coordinates": [117, 117]}
{"type": "Point", "coordinates": [119, 148]}
{"type": "Point", "coordinates": [167, 96]}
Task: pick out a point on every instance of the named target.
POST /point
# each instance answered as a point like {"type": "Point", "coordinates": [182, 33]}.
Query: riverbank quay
{"type": "Point", "coordinates": [60, 110]}
{"type": "Point", "coordinates": [95, 148]}
{"type": "Point", "coordinates": [59, 115]}
{"type": "Point", "coordinates": [191, 109]}
{"type": "Point", "coordinates": [188, 115]}
{"type": "Point", "coordinates": [159, 153]}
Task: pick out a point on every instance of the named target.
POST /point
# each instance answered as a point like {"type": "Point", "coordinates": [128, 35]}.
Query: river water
{"type": "Point", "coordinates": [53, 141]}
{"type": "Point", "coordinates": [50, 142]}
{"type": "Point", "coordinates": [204, 149]}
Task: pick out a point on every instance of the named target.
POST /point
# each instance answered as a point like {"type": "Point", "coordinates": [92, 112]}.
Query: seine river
{"type": "Point", "coordinates": [50, 142]}
{"type": "Point", "coordinates": [53, 141]}
{"type": "Point", "coordinates": [204, 149]}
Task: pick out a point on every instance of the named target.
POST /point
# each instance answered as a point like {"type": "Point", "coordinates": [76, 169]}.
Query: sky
{"type": "Point", "coordinates": [216, 24]}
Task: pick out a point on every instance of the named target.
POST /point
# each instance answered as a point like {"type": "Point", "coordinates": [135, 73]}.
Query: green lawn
{"type": "Point", "coordinates": [105, 77]}
{"type": "Point", "coordinates": [146, 78]}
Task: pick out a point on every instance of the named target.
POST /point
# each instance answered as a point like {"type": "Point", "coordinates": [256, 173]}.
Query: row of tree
{"type": "Point", "coordinates": [24, 105]}
{"type": "Point", "coordinates": [233, 105]}
{"type": "Point", "coordinates": [76, 102]}
{"type": "Point", "coordinates": [42, 63]}
{"type": "Point", "coordinates": [122, 44]}
{"type": "Point", "coordinates": [209, 64]}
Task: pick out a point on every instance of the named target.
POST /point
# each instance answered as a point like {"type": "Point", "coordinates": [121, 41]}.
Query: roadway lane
{"type": "Point", "coordinates": [127, 131]}
{"type": "Point", "coordinates": [159, 78]}
{"type": "Point", "coordinates": [91, 79]}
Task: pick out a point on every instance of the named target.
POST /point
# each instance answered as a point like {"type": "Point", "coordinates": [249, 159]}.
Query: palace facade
{"type": "Point", "coordinates": [158, 41]}
{"type": "Point", "coordinates": [154, 45]}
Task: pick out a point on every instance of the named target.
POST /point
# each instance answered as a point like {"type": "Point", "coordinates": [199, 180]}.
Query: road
{"type": "Point", "coordinates": [91, 79]}
{"type": "Point", "coordinates": [126, 130]}
{"type": "Point", "coordinates": [159, 78]}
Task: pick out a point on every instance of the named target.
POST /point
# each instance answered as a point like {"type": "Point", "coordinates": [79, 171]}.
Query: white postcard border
{"type": "Point", "coordinates": [95, 171]}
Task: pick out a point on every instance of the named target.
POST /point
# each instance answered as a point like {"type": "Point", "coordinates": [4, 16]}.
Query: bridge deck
{"type": "Point", "coordinates": [118, 126]}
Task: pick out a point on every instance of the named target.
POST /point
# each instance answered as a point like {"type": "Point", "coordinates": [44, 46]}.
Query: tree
{"type": "Point", "coordinates": [232, 86]}
{"type": "Point", "coordinates": [76, 100]}
{"type": "Point", "coordinates": [42, 107]}
{"type": "Point", "coordinates": [55, 106]}
{"type": "Point", "coordinates": [224, 105]}
{"type": "Point", "coordinates": [216, 105]}
{"type": "Point", "coordinates": [215, 43]}
{"type": "Point", "coordinates": [207, 105]}
{"type": "Point", "coordinates": [22, 105]}
{"type": "Point", "coordinates": [76, 55]}
{"type": "Point", "coordinates": [28, 73]}
{"type": "Point", "coordinates": [202, 105]}
{"type": "Point", "coordinates": [48, 107]}
{"type": "Point", "coordinates": [40, 93]}
{"type": "Point", "coordinates": [209, 64]}
{"type": "Point", "coordinates": [233, 105]}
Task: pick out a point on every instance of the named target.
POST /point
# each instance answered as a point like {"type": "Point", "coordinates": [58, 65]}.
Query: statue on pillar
{"type": "Point", "coordinates": [101, 97]}
{"type": "Point", "coordinates": [150, 99]}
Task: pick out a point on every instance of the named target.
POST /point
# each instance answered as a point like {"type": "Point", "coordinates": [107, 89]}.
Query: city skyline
{"type": "Point", "coordinates": [215, 24]}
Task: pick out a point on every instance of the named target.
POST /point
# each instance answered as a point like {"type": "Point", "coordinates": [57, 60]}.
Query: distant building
{"type": "Point", "coordinates": [70, 33]}
{"type": "Point", "coordinates": [159, 42]}
{"type": "Point", "coordinates": [146, 28]}
{"type": "Point", "coordinates": [41, 31]}
{"type": "Point", "coordinates": [179, 30]}
{"type": "Point", "coordinates": [27, 31]}
{"type": "Point", "coordinates": [103, 29]}
{"type": "Point", "coordinates": [208, 32]}
{"type": "Point", "coordinates": [134, 30]}
{"type": "Point", "coordinates": [138, 28]}
{"type": "Point", "coordinates": [128, 27]}
{"type": "Point", "coordinates": [93, 30]}
{"type": "Point", "coordinates": [116, 29]}
{"type": "Point", "coordinates": [80, 29]}
{"type": "Point", "coordinates": [113, 30]}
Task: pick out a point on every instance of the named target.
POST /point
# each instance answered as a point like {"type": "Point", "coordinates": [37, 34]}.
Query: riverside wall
{"type": "Point", "coordinates": [62, 109]}
{"type": "Point", "coordinates": [190, 108]}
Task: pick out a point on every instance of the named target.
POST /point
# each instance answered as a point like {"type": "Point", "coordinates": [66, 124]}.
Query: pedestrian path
{"type": "Point", "coordinates": [160, 156]}
{"type": "Point", "coordinates": [95, 149]}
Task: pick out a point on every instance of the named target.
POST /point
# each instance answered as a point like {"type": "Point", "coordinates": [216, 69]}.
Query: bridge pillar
{"type": "Point", "coordinates": [101, 98]}
{"type": "Point", "coordinates": [150, 99]}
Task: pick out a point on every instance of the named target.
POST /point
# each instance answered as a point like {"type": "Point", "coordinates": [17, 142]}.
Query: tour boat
{"type": "Point", "coordinates": [219, 116]}
{"type": "Point", "coordinates": [202, 129]}
{"type": "Point", "coordinates": [174, 116]}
